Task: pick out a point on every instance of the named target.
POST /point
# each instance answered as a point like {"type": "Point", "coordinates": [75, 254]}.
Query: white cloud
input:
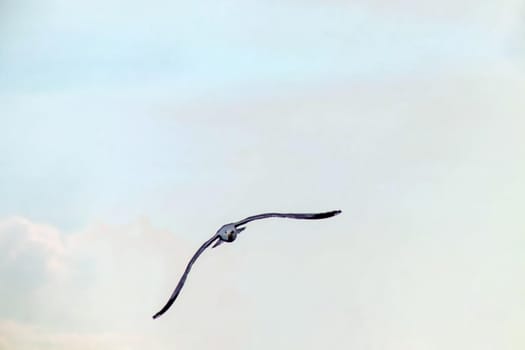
{"type": "Point", "coordinates": [20, 236]}
{"type": "Point", "coordinates": [109, 283]}
{"type": "Point", "coordinates": [32, 256]}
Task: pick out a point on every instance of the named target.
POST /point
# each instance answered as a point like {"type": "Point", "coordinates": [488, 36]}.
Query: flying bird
{"type": "Point", "coordinates": [228, 233]}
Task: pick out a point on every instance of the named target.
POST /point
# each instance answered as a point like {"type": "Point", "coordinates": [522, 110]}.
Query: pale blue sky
{"type": "Point", "coordinates": [130, 132]}
{"type": "Point", "coordinates": [83, 83]}
{"type": "Point", "coordinates": [86, 45]}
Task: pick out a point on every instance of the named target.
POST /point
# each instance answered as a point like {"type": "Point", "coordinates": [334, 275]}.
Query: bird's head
{"type": "Point", "coordinates": [229, 232]}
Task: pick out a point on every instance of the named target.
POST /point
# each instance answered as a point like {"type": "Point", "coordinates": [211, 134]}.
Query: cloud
{"type": "Point", "coordinates": [97, 288]}
{"type": "Point", "coordinates": [32, 256]}
{"type": "Point", "coordinates": [20, 237]}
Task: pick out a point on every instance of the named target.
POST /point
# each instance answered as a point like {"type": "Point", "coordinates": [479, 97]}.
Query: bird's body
{"type": "Point", "coordinates": [228, 233]}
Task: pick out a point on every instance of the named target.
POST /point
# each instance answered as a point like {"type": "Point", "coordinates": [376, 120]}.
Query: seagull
{"type": "Point", "coordinates": [228, 233]}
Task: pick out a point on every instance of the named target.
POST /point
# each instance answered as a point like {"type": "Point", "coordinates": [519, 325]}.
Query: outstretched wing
{"type": "Point", "coordinates": [310, 216]}
{"type": "Point", "coordinates": [183, 278]}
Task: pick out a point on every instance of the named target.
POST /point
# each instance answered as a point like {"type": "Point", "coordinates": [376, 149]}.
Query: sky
{"type": "Point", "coordinates": [131, 131]}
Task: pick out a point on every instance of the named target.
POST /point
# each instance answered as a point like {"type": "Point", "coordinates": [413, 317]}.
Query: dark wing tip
{"type": "Point", "coordinates": [165, 308]}
{"type": "Point", "coordinates": [328, 214]}
{"type": "Point", "coordinates": [172, 298]}
{"type": "Point", "coordinates": [159, 313]}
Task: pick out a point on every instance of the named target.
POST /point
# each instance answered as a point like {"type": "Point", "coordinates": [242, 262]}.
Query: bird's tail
{"type": "Point", "coordinates": [218, 243]}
